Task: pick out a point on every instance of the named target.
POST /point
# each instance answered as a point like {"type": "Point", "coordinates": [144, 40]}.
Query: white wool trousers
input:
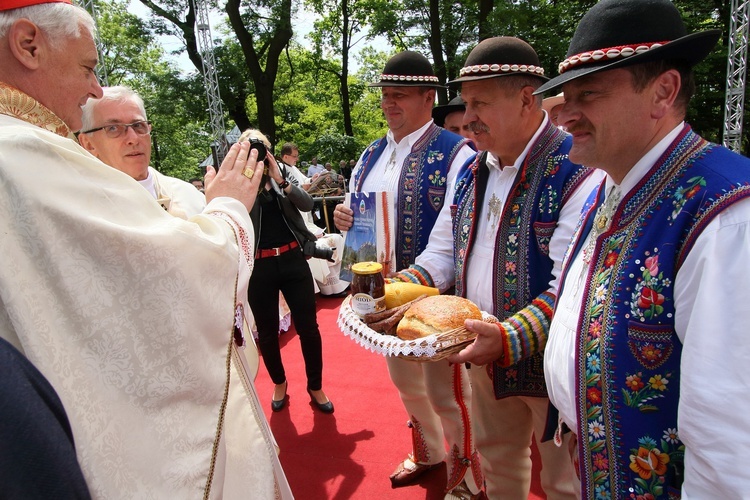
{"type": "Point", "coordinates": [503, 430]}
{"type": "Point", "coordinates": [437, 398]}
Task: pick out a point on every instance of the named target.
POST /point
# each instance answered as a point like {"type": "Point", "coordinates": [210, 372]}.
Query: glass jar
{"type": "Point", "coordinates": [368, 288]}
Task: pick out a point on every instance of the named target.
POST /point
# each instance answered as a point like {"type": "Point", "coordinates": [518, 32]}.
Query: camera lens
{"type": "Point", "coordinates": [260, 147]}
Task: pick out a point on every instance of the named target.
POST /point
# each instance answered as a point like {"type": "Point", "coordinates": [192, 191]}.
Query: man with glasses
{"type": "Point", "coordinates": [116, 131]}
{"type": "Point", "coordinates": [289, 155]}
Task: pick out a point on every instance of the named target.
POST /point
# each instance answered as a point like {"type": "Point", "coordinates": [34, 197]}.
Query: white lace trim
{"type": "Point", "coordinates": [433, 346]}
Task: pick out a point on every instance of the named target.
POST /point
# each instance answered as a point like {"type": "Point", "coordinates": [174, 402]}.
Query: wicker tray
{"type": "Point", "coordinates": [431, 348]}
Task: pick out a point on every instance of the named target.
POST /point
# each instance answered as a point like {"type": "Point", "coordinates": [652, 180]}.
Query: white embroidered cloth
{"type": "Point", "coordinates": [129, 313]}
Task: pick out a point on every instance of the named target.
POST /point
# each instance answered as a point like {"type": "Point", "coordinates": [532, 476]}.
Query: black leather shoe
{"type": "Point", "coordinates": [324, 407]}
{"type": "Point", "coordinates": [278, 405]}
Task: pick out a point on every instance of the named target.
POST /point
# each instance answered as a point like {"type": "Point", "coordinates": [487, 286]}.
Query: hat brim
{"type": "Point", "coordinates": [407, 84]}
{"type": "Point", "coordinates": [439, 113]}
{"type": "Point", "coordinates": [551, 102]}
{"type": "Point", "coordinates": [691, 48]}
{"type": "Point", "coordinates": [471, 78]}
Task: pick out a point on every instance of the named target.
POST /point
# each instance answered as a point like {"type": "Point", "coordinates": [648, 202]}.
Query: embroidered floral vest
{"type": "Point", "coordinates": [522, 268]}
{"type": "Point", "coordinates": [423, 183]}
{"type": "Point", "coordinates": [627, 347]}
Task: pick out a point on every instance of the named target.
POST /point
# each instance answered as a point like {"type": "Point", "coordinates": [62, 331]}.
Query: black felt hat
{"type": "Point", "coordinates": [408, 69]}
{"type": "Point", "coordinates": [618, 33]}
{"type": "Point", "coordinates": [500, 56]}
{"type": "Point", "coordinates": [440, 112]}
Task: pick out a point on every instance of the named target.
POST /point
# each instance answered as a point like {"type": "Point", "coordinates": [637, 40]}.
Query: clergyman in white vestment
{"type": "Point", "coordinates": [133, 315]}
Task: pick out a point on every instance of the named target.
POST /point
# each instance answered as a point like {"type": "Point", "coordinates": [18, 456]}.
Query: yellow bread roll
{"type": "Point", "coordinates": [436, 315]}
{"type": "Point", "coordinates": [397, 294]}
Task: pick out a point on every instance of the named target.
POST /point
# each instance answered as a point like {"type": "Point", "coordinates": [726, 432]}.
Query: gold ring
{"type": "Point", "coordinates": [248, 172]}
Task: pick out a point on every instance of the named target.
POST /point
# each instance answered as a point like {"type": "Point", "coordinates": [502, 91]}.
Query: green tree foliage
{"type": "Point", "coordinates": [262, 29]}
{"type": "Point", "coordinates": [336, 32]}
{"type": "Point", "coordinates": [333, 147]}
{"type": "Point", "coordinates": [440, 28]}
{"type": "Point", "coordinates": [547, 25]}
{"type": "Point", "coordinates": [309, 109]}
{"type": "Point", "coordinates": [132, 57]}
{"type": "Point", "coordinates": [706, 111]}
{"type": "Point", "coordinates": [309, 82]}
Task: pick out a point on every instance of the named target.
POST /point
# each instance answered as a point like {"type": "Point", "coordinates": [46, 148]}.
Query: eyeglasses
{"type": "Point", "coordinates": [115, 130]}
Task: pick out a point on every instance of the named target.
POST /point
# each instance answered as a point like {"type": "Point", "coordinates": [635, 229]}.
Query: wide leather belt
{"type": "Point", "coordinates": [262, 253]}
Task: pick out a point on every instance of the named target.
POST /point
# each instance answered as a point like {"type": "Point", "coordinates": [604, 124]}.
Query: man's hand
{"type": "Point", "coordinates": [486, 348]}
{"type": "Point", "coordinates": [230, 180]}
{"type": "Point", "coordinates": [343, 217]}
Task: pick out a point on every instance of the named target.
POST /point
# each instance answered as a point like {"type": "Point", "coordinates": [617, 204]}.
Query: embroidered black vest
{"type": "Point", "coordinates": [423, 183]}
{"type": "Point", "coordinates": [522, 268]}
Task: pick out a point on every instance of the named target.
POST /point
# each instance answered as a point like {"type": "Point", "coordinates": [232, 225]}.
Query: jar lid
{"type": "Point", "coordinates": [367, 268]}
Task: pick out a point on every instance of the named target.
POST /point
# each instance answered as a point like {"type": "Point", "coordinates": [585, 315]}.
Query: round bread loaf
{"type": "Point", "coordinates": [437, 314]}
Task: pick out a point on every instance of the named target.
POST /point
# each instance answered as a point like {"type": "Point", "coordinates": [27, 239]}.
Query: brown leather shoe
{"type": "Point", "coordinates": [462, 492]}
{"type": "Point", "coordinates": [407, 472]}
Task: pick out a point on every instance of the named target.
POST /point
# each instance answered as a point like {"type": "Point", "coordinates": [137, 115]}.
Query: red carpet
{"type": "Point", "coordinates": [351, 453]}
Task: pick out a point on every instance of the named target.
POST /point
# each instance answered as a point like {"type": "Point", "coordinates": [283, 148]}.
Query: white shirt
{"type": "Point", "coordinates": [712, 311]}
{"type": "Point", "coordinates": [438, 256]}
{"type": "Point", "coordinates": [385, 173]}
{"type": "Point", "coordinates": [296, 176]}
{"type": "Point", "coordinates": [315, 169]}
{"type": "Point", "coordinates": [149, 184]}
{"type": "Point", "coordinates": [175, 195]}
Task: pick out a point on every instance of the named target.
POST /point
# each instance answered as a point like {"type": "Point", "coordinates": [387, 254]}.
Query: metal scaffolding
{"type": "Point", "coordinates": [736, 74]}
{"type": "Point", "coordinates": [219, 147]}
{"type": "Point", "coordinates": [101, 70]}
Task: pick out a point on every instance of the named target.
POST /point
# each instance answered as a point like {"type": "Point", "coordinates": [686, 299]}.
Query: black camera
{"type": "Point", "coordinates": [254, 144]}
{"type": "Point", "coordinates": [258, 145]}
{"type": "Point", "coordinates": [312, 250]}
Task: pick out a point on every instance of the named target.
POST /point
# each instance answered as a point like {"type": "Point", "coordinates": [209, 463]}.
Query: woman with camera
{"type": "Point", "coordinates": [281, 238]}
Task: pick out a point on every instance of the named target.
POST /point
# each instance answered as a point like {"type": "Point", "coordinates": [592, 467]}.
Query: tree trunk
{"type": "Point", "coordinates": [263, 79]}
{"type": "Point", "coordinates": [236, 110]}
{"type": "Point", "coordinates": [344, 77]}
{"type": "Point", "coordinates": [485, 8]}
{"type": "Point", "coordinates": [436, 47]}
